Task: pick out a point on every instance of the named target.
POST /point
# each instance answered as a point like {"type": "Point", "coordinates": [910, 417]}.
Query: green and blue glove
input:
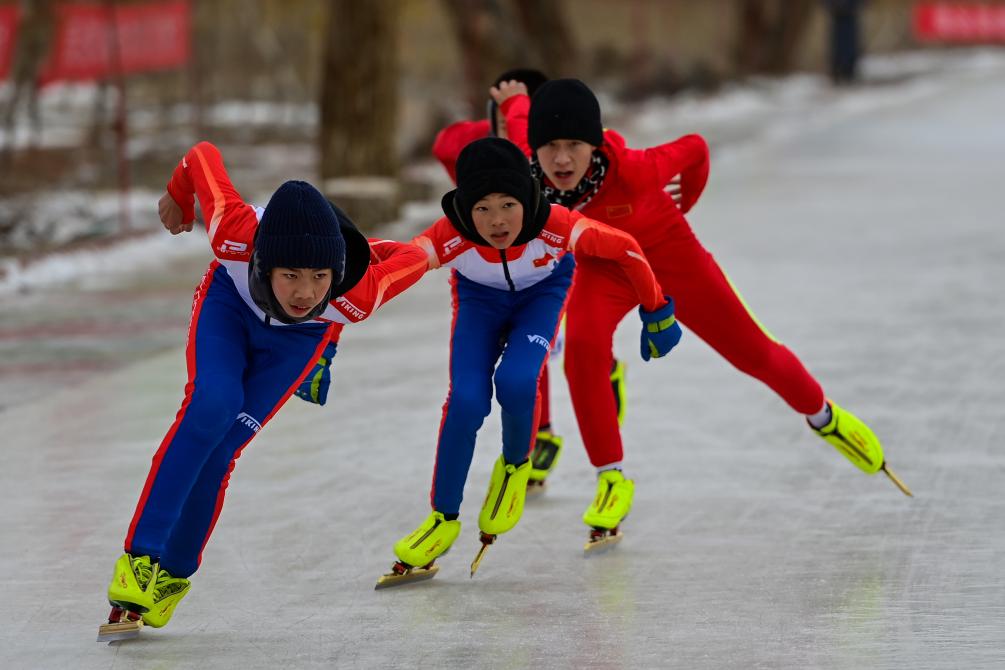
{"type": "Point", "coordinates": [314, 387]}
{"type": "Point", "coordinates": [660, 331]}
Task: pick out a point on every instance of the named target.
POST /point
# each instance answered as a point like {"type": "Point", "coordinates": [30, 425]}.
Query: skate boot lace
{"type": "Point", "coordinates": [168, 585]}
{"type": "Point", "coordinates": [143, 571]}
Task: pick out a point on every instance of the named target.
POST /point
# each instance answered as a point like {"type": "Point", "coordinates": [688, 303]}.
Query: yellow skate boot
{"type": "Point", "coordinates": [418, 550]}
{"type": "Point", "coordinates": [131, 587]}
{"type": "Point", "coordinates": [609, 508]}
{"type": "Point", "coordinates": [503, 504]}
{"type": "Point", "coordinates": [856, 441]}
{"type": "Point", "coordinates": [612, 502]}
{"type": "Point", "coordinates": [544, 458]}
{"type": "Point", "coordinates": [168, 592]}
{"type": "Point", "coordinates": [618, 388]}
{"type": "Point", "coordinates": [145, 588]}
{"type": "Point", "coordinates": [504, 500]}
{"type": "Point", "coordinates": [429, 541]}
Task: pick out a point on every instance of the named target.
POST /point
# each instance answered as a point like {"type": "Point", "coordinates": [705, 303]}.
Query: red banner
{"type": "Point", "coordinates": [8, 26]}
{"type": "Point", "coordinates": [960, 23]}
{"type": "Point", "coordinates": [97, 41]}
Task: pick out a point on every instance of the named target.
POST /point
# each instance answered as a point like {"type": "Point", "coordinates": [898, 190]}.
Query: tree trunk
{"type": "Point", "coordinates": [546, 27]}
{"type": "Point", "coordinates": [490, 44]}
{"type": "Point", "coordinates": [770, 33]}
{"type": "Point", "coordinates": [359, 109]}
{"type": "Point", "coordinates": [791, 23]}
{"type": "Point", "coordinates": [35, 32]}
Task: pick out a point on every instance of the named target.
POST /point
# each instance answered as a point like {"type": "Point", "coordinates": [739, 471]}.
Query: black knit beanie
{"type": "Point", "coordinates": [564, 109]}
{"type": "Point", "coordinates": [493, 165]}
{"type": "Point", "coordinates": [299, 229]}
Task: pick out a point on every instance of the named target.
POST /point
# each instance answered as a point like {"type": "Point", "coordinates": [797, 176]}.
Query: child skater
{"type": "Point", "coordinates": [446, 148]}
{"type": "Point", "coordinates": [589, 169]}
{"type": "Point", "coordinates": [511, 272]}
{"type": "Point", "coordinates": [284, 280]}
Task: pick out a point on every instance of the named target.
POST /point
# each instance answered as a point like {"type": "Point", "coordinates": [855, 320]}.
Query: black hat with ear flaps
{"type": "Point", "coordinates": [494, 165]}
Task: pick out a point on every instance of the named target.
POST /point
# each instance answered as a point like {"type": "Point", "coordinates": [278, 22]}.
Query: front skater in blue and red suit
{"type": "Point", "coordinates": [509, 251]}
{"type": "Point", "coordinates": [285, 280]}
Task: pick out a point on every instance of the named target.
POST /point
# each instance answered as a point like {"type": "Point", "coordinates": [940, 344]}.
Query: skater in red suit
{"type": "Point", "coordinates": [587, 168]}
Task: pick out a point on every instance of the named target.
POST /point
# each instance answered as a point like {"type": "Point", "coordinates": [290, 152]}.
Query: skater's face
{"type": "Point", "coordinates": [498, 218]}
{"type": "Point", "coordinates": [565, 161]}
{"type": "Point", "coordinates": [299, 290]}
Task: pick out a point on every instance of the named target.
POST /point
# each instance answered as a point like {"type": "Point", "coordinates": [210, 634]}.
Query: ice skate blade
{"type": "Point", "coordinates": [412, 575]}
{"type": "Point", "coordinates": [486, 541]}
{"type": "Point", "coordinates": [116, 632]}
{"type": "Point", "coordinates": [602, 544]}
{"type": "Point", "coordinates": [896, 480]}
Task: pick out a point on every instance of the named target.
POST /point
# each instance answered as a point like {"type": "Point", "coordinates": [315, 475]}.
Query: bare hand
{"type": "Point", "coordinates": [673, 190]}
{"type": "Point", "coordinates": [506, 90]}
{"type": "Point", "coordinates": [171, 215]}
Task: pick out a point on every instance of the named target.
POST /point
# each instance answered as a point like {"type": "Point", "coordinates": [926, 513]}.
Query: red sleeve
{"type": "Point", "coordinates": [516, 110]}
{"type": "Point", "coordinates": [686, 156]}
{"type": "Point", "coordinates": [201, 174]}
{"type": "Point", "coordinates": [449, 142]}
{"type": "Point", "coordinates": [593, 238]}
{"type": "Point", "coordinates": [398, 266]}
{"type": "Point", "coordinates": [441, 243]}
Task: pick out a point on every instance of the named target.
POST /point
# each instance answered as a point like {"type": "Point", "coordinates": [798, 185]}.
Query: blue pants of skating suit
{"type": "Point", "coordinates": [240, 372]}
{"type": "Point", "coordinates": [489, 323]}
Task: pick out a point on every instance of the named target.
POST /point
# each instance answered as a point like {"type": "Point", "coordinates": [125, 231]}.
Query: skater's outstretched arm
{"type": "Point", "coordinates": [394, 267]}
{"type": "Point", "coordinates": [593, 238]}
{"type": "Point", "coordinates": [660, 330]}
{"type": "Point", "coordinates": [656, 167]}
{"type": "Point", "coordinates": [230, 222]}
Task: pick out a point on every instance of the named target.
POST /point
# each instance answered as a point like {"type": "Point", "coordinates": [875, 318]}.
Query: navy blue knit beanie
{"type": "Point", "coordinates": [564, 109]}
{"type": "Point", "coordinates": [299, 229]}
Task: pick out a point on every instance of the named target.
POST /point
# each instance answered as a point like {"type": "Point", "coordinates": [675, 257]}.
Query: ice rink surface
{"type": "Point", "coordinates": [872, 245]}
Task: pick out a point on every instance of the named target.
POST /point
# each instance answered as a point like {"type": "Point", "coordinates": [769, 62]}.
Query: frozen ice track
{"type": "Point", "coordinates": [872, 247]}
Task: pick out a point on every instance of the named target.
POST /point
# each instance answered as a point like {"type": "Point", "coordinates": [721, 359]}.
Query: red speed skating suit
{"type": "Point", "coordinates": [631, 198]}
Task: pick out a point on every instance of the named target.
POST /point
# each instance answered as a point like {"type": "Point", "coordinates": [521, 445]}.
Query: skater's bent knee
{"type": "Point", "coordinates": [516, 393]}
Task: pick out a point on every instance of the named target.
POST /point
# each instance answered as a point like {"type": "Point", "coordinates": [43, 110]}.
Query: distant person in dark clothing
{"type": "Point", "coordinates": [845, 47]}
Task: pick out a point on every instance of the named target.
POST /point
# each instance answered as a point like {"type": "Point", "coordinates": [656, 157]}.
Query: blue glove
{"type": "Point", "coordinates": [314, 387]}
{"type": "Point", "coordinates": [660, 331]}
